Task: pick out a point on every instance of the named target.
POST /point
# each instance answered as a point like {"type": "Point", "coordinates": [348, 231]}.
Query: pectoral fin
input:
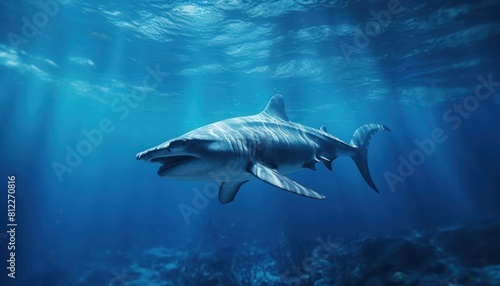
{"type": "Point", "coordinates": [276, 179]}
{"type": "Point", "coordinates": [228, 191]}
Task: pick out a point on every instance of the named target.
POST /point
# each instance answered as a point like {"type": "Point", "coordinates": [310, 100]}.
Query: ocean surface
{"type": "Point", "coordinates": [86, 85]}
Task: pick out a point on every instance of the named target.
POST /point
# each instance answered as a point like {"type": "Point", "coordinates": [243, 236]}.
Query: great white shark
{"type": "Point", "coordinates": [265, 146]}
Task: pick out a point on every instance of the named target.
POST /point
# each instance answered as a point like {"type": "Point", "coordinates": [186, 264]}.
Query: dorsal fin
{"type": "Point", "coordinates": [276, 108]}
{"type": "Point", "coordinates": [323, 128]}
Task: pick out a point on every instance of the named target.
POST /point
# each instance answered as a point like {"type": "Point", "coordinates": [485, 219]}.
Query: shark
{"type": "Point", "coordinates": [266, 146]}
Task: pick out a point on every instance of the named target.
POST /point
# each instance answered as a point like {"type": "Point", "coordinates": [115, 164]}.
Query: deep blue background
{"type": "Point", "coordinates": [225, 60]}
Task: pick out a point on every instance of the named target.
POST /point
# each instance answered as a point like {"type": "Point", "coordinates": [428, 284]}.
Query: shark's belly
{"type": "Point", "coordinates": [236, 169]}
{"type": "Point", "coordinates": [290, 158]}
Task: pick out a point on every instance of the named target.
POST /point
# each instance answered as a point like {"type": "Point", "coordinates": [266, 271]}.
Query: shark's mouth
{"type": "Point", "coordinates": [172, 161]}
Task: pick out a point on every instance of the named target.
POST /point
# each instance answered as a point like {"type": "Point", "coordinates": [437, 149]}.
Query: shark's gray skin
{"type": "Point", "coordinates": [264, 146]}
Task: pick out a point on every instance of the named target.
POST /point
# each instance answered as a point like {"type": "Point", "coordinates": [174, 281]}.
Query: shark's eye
{"type": "Point", "coordinates": [177, 143]}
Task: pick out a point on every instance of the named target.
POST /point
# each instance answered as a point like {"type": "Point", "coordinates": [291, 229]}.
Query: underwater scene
{"type": "Point", "coordinates": [238, 142]}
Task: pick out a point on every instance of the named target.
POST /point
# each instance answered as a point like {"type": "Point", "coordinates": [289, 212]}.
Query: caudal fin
{"type": "Point", "coordinates": [361, 139]}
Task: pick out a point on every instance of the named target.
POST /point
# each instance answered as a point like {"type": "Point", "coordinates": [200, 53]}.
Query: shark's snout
{"type": "Point", "coordinates": [162, 150]}
{"type": "Point", "coordinates": [171, 154]}
{"type": "Point", "coordinates": [171, 148]}
{"type": "Point", "coordinates": [151, 154]}
{"type": "Point", "coordinates": [139, 155]}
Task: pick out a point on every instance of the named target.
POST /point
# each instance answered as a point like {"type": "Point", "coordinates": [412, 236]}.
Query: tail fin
{"type": "Point", "coordinates": [361, 139]}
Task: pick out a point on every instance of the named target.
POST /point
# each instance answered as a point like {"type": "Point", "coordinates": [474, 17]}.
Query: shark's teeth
{"type": "Point", "coordinates": [169, 162]}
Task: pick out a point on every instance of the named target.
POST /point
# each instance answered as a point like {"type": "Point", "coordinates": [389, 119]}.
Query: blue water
{"type": "Point", "coordinates": [141, 72]}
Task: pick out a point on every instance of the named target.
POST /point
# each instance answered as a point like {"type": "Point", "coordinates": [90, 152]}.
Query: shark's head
{"type": "Point", "coordinates": [182, 157]}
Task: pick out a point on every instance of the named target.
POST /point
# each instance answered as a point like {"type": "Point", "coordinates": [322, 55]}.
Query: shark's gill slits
{"type": "Point", "coordinates": [234, 147]}
{"type": "Point", "coordinates": [243, 148]}
{"type": "Point", "coordinates": [250, 150]}
{"type": "Point", "coordinates": [237, 147]}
